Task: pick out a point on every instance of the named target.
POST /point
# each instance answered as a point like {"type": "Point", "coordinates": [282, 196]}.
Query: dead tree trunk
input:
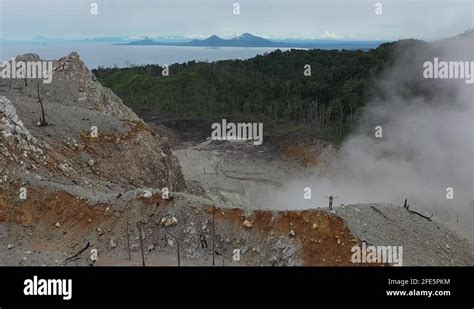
{"type": "Point", "coordinates": [213, 235]}
{"type": "Point", "coordinates": [141, 242]}
{"type": "Point", "coordinates": [423, 216]}
{"type": "Point", "coordinates": [177, 246]}
{"type": "Point", "coordinates": [43, 122]}
{"type": "Point", "coordinates": [79, 253]}
{"type": "Point", "coordinates": [179, 256]}
{"type": "Point", "coordinates": [341, 120]}
{"type": "Point", "coordinates": [128, 243]}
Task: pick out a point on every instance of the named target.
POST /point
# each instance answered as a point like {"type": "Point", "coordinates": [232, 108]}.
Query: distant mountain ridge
{"type": "Point", "coordinates": [250, 40]}
{"type": "Point", "coordinates": [245, 40]}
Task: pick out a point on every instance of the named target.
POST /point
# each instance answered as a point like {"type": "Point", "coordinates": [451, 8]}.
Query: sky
{"type": "Point", "coordinates": [272, 19]}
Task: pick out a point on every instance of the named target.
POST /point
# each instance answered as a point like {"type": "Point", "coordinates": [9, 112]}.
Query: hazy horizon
{"type": "Point", "coordinates": [296, 20]}
{"type": "Point", "coordinates": [179, 39]}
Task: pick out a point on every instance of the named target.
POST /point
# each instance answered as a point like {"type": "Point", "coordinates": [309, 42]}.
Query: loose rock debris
{"type": "Point", "coordinates": [96, 163]}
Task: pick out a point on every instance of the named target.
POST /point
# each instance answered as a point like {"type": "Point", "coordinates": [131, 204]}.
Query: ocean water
{"type": "Point", "coordinates": [107, 55]}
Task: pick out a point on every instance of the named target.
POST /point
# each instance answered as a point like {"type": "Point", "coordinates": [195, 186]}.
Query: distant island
{"type": "Point", "coordinates": [244, 40]}
{"type": "Point", "coordinates": [250, 40]}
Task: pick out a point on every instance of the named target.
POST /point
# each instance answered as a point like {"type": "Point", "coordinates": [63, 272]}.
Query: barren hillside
{"type": "Point", "coordinates": [66, 191]}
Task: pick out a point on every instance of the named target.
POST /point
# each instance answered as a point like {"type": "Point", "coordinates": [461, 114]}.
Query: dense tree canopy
{"type": "Point", "coordinates": [271, 88]}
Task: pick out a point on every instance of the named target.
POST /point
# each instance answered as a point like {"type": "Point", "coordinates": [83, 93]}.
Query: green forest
{"type": "Point", "coordinates": [270, 88]}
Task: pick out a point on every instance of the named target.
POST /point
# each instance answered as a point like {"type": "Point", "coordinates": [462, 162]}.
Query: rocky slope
{"type": "Point", "coordinates": [96, 170]}
{"type": "Point", "coordinates": [239, 174]}
{"type": "Point", "coordinates": [125, 149]}
{"type": "Point", "coordinates": [425, 241]}
{"type": "Point", "coordinates": [65, 191]}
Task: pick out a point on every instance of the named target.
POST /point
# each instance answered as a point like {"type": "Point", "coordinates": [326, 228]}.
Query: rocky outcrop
{"type": "Point", "coordinates": [99, 98]}
{"type": "Point", "coordinates": [125, 151]}
{"type": "Point", "coordinates": [16, 141]}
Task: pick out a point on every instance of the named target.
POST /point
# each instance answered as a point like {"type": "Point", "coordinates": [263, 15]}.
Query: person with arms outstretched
{"type": "Point", "coordinates": [331, 199]}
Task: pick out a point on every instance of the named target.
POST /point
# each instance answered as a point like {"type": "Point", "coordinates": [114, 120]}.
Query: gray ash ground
{"type": "Point", "coordinates": [82, 190]}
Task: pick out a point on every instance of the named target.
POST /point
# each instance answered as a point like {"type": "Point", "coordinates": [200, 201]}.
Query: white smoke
{"type": "Point", "coordinates": [426, 146]}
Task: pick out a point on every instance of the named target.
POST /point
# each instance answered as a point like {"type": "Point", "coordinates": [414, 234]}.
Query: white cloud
{"type": "Point", "coordinates": [332, 36]}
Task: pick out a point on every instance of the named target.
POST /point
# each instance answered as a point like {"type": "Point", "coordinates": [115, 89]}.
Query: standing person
{"type": "Point", "coordinates": [406, 205]}
{"type": "Point", "coordinates": [331, 199]}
